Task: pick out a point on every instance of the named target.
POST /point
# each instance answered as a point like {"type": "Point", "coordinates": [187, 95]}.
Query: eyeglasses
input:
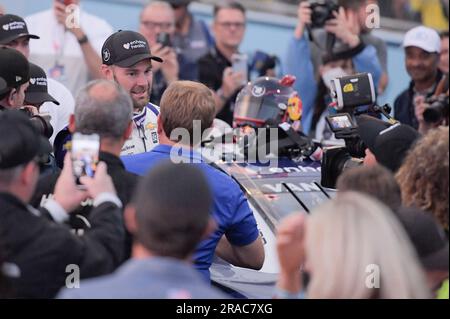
{"type": "Point", "coordinates": [229, 25]}
{"type": "Point", "coordinates": [161, 25]}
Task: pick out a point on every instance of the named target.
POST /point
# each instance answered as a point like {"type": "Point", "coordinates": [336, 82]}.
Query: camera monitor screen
{"type": "Point", "coordinates": [340, 122]}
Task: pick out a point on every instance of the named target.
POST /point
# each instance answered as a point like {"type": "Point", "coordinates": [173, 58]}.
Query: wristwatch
{"type": "Point", "coordinates": [84, 39]}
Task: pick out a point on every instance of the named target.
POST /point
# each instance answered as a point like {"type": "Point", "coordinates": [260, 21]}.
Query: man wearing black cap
{"type": "Point", "coordinates": [17, 37]}
{"type": "Point", "coordinates": [128, 61]}
{"type": "Point", "coordinates": [15, 71]}
{"type": "Point", "coordinates": [38, 251]}
{"type": "Point", "coordinates": [386, 144]}
{"type": "Point", "coordinates": [37, 91]}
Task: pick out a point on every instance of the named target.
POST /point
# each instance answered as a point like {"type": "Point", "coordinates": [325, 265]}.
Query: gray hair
{"type": "Point", "coordinates": [104, 108]}
{"type": "Point", "coordinates": [158, 4]}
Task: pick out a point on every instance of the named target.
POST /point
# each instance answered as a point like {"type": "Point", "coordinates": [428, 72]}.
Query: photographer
{"type": "Point", "coordinates": [387, 144]}
{"type": "Point", "coordinates": [216, 68]}
{"type": "Point", "coordinates": [157, 20]}
{"type": "Point", "coordinates": [102, 108]}
{"type": "Point", "coordinates": [352, 57]}
{"type": "Point", "coordinates": [19, 39]}
{"type": "Point", "coordinates": [39, 250]}
{"type": "Point", "coordinates": [422, 48]}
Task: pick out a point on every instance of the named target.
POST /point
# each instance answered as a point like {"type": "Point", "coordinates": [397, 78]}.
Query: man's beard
{"type": "Point", "coordinates": [138, 106]}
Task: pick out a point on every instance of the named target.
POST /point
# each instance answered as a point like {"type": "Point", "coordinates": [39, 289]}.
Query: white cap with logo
{"type": "Point", "coordinates": [424, 38]}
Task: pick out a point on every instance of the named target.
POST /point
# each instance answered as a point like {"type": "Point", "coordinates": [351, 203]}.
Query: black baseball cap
{"type": "Point", "coordinates": [20, 142]}
{"type": "Point", "coordinates": [125, 49]}
{"type": "Point", "coordinates": [389, 143]}
{"type": "Point", "coordinates": [37, 91]}
{"type": "Point", "coordinates": [13, 27]}
{"type": "Point", "coordinates": [14, 67]}
{"type": "Point", "coordinates": [427, 237]}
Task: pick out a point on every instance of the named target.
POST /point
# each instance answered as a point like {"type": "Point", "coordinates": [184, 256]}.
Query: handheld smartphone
{"type": "Point", "coordinates": [340, 122]}
{"type": "Point", "coordinates": [85, 155]}
{"type": "Point", "coordinates": [164, 39]}
{"type": "Point", "coordinates": [240, 65]}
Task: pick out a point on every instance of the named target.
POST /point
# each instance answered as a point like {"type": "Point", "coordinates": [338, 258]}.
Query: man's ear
{"type": "Point", "coordinates": [107, 72]}
{"type": "Point", "coordinates": [160, 126]}
{"type": "Point", "coordinates": [130, 219]}
{"type": "Point", "coordinates": [210, 228]}
{"type": "Point", "coordinates": [72, 126]}
{"type": "Point", "coordinates": [12, 97]}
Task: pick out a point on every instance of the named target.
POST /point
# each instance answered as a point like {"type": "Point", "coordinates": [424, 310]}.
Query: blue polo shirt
{"type": "Point", "coordinates": [231, 211]}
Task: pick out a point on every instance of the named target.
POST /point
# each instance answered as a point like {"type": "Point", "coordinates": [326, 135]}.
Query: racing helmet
{"type": "Point", "coordinates": [267, 100]}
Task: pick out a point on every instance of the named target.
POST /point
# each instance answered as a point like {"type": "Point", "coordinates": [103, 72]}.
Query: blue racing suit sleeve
{"type": "Point", "coordinates": [298, 63]}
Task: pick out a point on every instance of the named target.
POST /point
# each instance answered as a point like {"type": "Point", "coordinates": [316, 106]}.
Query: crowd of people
{"type": "Point", "coordinates": [146, 227]}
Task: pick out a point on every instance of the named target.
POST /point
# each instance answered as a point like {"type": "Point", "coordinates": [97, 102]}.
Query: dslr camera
{"type": "Point", "coordinates": [438, 109]}
{"type": "Point", "coordinates": [40, 122]}
{"type": "Point", "coordinates": [322, 11]}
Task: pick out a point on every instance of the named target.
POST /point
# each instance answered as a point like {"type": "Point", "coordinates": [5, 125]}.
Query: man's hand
{"type": "Point", "coordinates": [170, 67]}
{"type": "Point", "coordinates": [101, 183]}
{"type": "Point", "coordinates": [62, 17]}
{"type": "Point", "coordinates": [291, 254]}
{"type": "Point", "coordinates": [290, 242]}
{"type": "Point", "coordinates": [345, 27]}
{"type": "Point", "coordinates": [231, 82]}
{"type": "Point", "coordinates": [419, 108]}
{"type": "Point", "coordinates": [33, 110]}
{"type": "Point", "coordinates": [67, 194]}
{"type": "Point", "coordinates": [304, 14]}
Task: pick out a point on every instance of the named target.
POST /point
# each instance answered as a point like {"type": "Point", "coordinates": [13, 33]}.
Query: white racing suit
{"type": "Point", "coordinates": [145, 132]}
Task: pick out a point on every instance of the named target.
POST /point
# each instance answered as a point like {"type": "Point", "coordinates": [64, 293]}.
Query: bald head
{"type": "Point", "coordinates": [104, 108]}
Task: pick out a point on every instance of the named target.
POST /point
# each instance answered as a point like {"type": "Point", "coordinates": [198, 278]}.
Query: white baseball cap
{"type": "Point", "coordinates": [422, 37]}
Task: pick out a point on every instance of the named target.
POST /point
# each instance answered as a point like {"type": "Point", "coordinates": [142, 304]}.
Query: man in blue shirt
{"type": "Point", "coordinates": [166, 232]}
{"type": "Point", "coordinates": [183, 103]}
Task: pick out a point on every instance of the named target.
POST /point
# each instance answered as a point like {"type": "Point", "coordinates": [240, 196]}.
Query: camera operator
{"type": "Point", "coordinates": [353, 56]}
{"type": "Point", "coordinates": [386, 144]}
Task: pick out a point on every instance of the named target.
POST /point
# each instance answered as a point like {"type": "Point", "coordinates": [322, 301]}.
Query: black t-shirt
{"type": "Point", "coordinates": [210, 73]}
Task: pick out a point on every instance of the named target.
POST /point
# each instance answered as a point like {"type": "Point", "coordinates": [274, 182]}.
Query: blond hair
{"type": "Point", "coordinates": [424, 175]}
{"type": "Point", "coordinates": [184, 102]}
{"type": "Point", "coordinates": [346, 237]}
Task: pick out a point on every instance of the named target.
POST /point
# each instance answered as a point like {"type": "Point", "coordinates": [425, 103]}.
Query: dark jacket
{"type": "Point", "coordinates": [210, 73]}
{"type": "Point", "coordinates": [124, 182]}
{"type": "Point", "coordinates": [404, 109]}
{"type": "Point", "coordinates": [38, 250]}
